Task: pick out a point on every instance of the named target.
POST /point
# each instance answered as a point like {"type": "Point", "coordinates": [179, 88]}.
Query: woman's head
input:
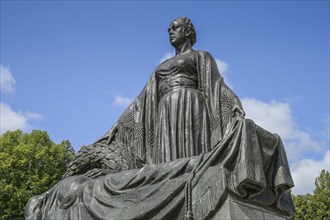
{"type": "Point", "coordinates": [189, 28]}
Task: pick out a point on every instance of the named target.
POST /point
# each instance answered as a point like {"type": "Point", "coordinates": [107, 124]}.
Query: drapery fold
{"type": "Point", "coordinates": [246, 161]}
{"type": "Point", "coordinates": [260, 175]}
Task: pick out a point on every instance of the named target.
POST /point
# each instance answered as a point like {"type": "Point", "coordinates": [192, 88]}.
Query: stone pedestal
{"type": "Point", "coordinates": [235, 209]}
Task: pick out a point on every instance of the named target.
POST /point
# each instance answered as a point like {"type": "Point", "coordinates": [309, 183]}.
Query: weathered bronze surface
{"type": "Point", "coordinates": [176, 151]}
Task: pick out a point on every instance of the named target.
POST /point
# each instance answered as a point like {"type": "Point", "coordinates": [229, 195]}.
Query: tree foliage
{"type": "Point", "coordinates": [315, 206]}
{"type": "Point", "coordinates": [30, 164]}
{"type": "Point", "coordinates": [322, 182]}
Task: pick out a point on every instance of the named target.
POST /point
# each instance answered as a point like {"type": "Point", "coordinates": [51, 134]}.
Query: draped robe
{"type": "Point", "coordinates": [246, 161]}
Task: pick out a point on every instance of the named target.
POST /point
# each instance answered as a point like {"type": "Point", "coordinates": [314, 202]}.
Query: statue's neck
{"type": "Point", "coordinates": [184, 48]}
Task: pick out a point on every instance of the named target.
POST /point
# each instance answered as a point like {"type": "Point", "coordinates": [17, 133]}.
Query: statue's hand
{"type": "Point", "coordinates": [96, 172]}
{"type": "Point", "coordinates": [112, 133]}
{"type": "Point", "coordinates": [238, 113]}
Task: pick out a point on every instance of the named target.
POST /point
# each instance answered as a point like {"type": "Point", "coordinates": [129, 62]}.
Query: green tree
{"type": "Point", "coordinates": [301, 204]}
{"type": "Point", "coordinates": [84, 147]}
{"type": "Point", "coordinates": [317, 206]}
{"type": "Point", "coordinates": [30, 164]}
{"type": "Point", "coordinates": [322, 182]}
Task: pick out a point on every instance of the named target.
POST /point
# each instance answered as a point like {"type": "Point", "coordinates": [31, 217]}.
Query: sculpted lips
{"type": "Point", "coordinates": [172, 38]}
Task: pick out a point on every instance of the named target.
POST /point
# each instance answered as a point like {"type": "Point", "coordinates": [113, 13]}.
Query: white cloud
{"type": "Point", "coordinates": [277, 117]}
{"type": "Point", "coordinates": [7, 81]}
{"type": "Point", "coordinates": [167, 55]}
{"type": "Point", "coordinates": [11, 120]}
{"type": "Point", "coordinates": [305, 171]}
{"type": "Point", "coordinates": [222, 65]}
{"type": "Point", "coordinates": [223, 68]}
{"type": "Point", "coordinates": [33, 116]}
{"type": "Point", "coordinates": [122, 101]}
{"type": "Point", "coordinates": [273, 115]}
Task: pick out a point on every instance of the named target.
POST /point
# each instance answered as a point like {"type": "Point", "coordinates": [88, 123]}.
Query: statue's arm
{"type": "Point", "coordinates": [229, 99]}
{"type": "Point", "coordinates": [237, 110]}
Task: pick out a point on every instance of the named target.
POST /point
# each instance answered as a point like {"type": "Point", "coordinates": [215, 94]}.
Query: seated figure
{"type": "Point", "coordinates": [183, 135]}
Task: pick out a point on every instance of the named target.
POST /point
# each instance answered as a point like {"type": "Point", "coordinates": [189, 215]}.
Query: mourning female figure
{"type": "Point", "coordinates": [183, 135]}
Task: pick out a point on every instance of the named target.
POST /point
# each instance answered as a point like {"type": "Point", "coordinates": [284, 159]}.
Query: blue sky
{"type": "Point", "coordinates": [70, 68]}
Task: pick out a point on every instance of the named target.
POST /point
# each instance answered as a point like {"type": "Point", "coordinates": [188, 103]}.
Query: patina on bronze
{"type": "Point", "coordinates": [176, 152]}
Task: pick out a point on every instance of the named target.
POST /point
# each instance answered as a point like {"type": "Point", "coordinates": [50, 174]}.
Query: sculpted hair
{"type": "Point", "coordinates": [191, 28]}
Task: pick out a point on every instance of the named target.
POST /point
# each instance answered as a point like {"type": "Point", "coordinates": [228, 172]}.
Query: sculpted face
{"type": "Point", "coordinates": [177, 32]}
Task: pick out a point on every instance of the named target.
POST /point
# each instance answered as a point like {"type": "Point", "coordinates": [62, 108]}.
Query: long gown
{"type": "Point", "coordinates": [183, 127]}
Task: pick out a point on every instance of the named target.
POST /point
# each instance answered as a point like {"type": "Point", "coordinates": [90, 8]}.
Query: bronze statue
{"type": "Point", "coordinates": [183, 135]}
